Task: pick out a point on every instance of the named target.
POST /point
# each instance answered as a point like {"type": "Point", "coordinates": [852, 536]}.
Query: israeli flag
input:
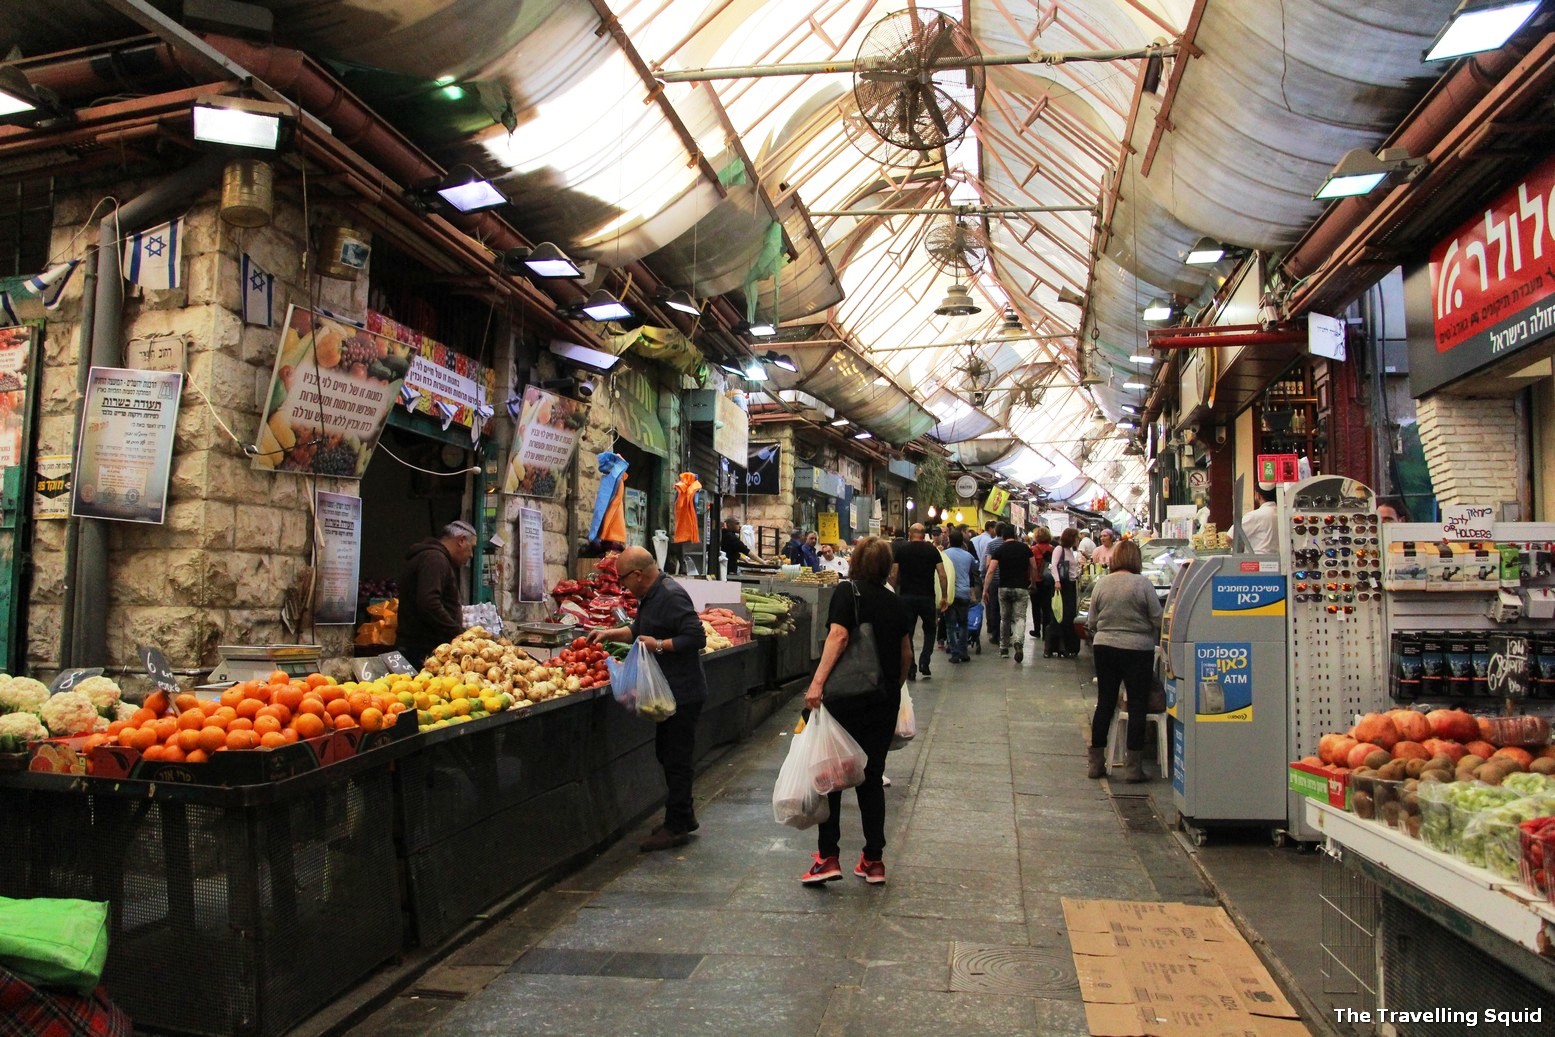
{"type": "Point", "coordinates": [152, 257]}
{"type": "Point", "coordinates": [409, 396]}
{"type": "Point", "coordinates": [51, 283]}
{"type": "Point", "coordinates": [7, 314]}
{"type": "Point", "coordinates": [258, 293]}
{"type": "Point", "coordinates": [446, 411]}
{"type": "Point", "coordinates": [483, 414]}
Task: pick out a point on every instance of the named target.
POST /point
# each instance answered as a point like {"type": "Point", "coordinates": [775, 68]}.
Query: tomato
{"type": "Point", "coordinates": [579, 642]}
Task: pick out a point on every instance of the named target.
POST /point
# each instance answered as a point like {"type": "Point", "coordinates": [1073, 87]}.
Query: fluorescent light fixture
{"type": "Point", "coordinates": [1127, 425]}
{"type": "Point", "coordinates": [472, 195]}
{"type": "Point", "coordinates": [1360, 172]}
{"type": "Point", "coordinates": [732, 368]}
{"type": "Point", "coordinates": [1157, 309]}
{"type": "Point", "coordinates": [1141, 358]}
{"type": "Point", "coordinates": [545, 260]}
{"type": "Point", "coordinates": [866, 434]}
{"type": "Point", "coordinates": [237, 122]}
{"type": "Point", "coordinates": [1205, 252]}
{"type": "Point", "coordinates": [683, 302]}
{"type": "Point", "coordinates": [839, 423]}
{"type": "Point", "coordinates": [16, 95]}
{"type": "Point", "coordinates": [755, 371]}
{"type": "Point", "coordinates": [759, 329]}
{"type": "Point", "coordinates": [1480, 25]}
{"type": "Point", "coordinates": [583, 356]}
{"type": "Point", "coordinates": [602, 306]}
{"type": "Point", "coordinates": [1135, 385]}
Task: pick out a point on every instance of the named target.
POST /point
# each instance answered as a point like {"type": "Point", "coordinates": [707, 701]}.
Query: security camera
{"type": "Point", "coordinates": [585, 387]}
{"type": "Point", "coordinates": [1220, 435]}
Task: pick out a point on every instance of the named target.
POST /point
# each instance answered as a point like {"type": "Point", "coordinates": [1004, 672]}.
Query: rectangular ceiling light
{"type": "Point", "coordinates": [13, 99]}
{"type": "Point", "coordinates": [594, 359]}
{"type": "Point", "coordinates": [1157, 310]}
{"type": "Point", "coordinates": [1480, 25]}
{"type": "Point", "coordinates": [474, 196]}
{"type": "Point", "coordinates": [755, 372]}
{"type": "Point", "coordinates": [238, 124]}
{"type": "Point", "coordinates": [1135, 385]}
{"type": "Point", "coordinates": [1205, 253]}
{"type": "Point", "coordinates": [863, 435]}
{"type": "Point", "coordinates": [839, 423]}
{"type": "Point", "coordinates": [1140, 358]}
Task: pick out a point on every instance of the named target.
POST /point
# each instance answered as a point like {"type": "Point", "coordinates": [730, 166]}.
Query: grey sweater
{"type": "Point", "coordinates": [1125, 612]}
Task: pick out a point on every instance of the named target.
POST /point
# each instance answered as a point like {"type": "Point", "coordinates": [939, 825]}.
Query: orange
{"type": "Point", "coordinates": [187, 700]}
{"type": "Point", "coordinates": [338, 708]}
{"type": "Point", "coordinates": [266, 725]}
{"type": "Point", "coordinates": [143, 715]}
{"type": "Point", "coordinates": [164, 726]}
{"type": "Point", "coordinates": [126, 737]}
{"type": "Point", "coordinates": [198, 756]}
{"type": "Point", "coordinates": [289, 734]}
{"type": "Point", "coordinates": [240, 724]}
{"type": "Point", "coordinates": [173, 754]}
{"type": "Point", "coordinates": [96, 739]}
{"type": "Point", "coordinates": [143, 738]}
{"type": "Point", "coordinates": [344, 721]}
{"type": "Point", "coordinates": [220, 719]}
{"type": "Point", "coordinates": [154, 753]}
{"type": "Point", "coordinates": [308, 725]}
{"type": "Point", "coordinates": [211, 738]}
{"type": "Point", "coordinates": [115, 727]}
{"type": "Point", "coordinates": [359, 701]}
{"type": "Point", "coordinates": [225, 711]}
{"type": "Point", "coordinates": [157, 702]}
{"type": "Point", "coordinates": [313, 706]}
{"type": "Point", "coordinates": [280, 713]}
{"type": "Point", "coordinates": [395, 707]}
{"type": "Point", "coordinates": [262, 694]}
{"type": "Point", "coordinates": [290, 697]}
{"type": "Point", "coordinates": [189, 739]}
{"type": "Point", "coordinates": [372, 719]}
{"type": "Point", "coordinates": [272, 740]}
{"type": "Point", "coordinates": [232, 696]}
{"type": "Point", "coordinates": [317, 680]}
{"type": "Point", "coordinates": [280, 677]}
{"type": "Point", "coordinates": [240, 740]}
{"type": "Point", "coordinates": [331, 692]}
{"type": "Point", "coordinates": [250, 708]}
{"type": "Point", "coordinates": [191, 719]}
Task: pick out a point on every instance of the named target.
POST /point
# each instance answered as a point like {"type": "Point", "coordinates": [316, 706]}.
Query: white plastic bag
{"type": "Point", "coordinates": [639, 685]}
{"type": "Point", "coordinates": [834, 760]}
{"type": "Point", "coordinates": [906, 722]}
{"type": "Point", "coordinates": [795, 802]}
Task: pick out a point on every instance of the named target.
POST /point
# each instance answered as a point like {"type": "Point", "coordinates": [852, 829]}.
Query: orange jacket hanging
{"type": "Point", "coordinates": [614, 526]}
{"type": "Point", "coordinates": [686, 508]}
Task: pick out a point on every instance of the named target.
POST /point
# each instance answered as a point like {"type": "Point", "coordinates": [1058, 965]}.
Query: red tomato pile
{"type": "Point", "coordinates": [585, 662]}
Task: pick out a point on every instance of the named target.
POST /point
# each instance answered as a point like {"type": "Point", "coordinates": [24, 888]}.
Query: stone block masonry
{"type": "Point", "coordinates": [1474, 448]}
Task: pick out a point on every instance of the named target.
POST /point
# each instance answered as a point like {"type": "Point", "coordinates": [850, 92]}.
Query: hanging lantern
{"type": "Point", "coordinates": [343, 252]}
{"type": "Point", "coordinates": [247, 198]}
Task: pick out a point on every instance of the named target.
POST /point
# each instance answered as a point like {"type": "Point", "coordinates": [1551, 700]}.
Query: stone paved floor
{"type": "Point", "coordinates": [990, 822]}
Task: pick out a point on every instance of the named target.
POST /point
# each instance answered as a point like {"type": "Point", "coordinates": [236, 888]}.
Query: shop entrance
{"type": "Point", "coordinates": [643, 499]}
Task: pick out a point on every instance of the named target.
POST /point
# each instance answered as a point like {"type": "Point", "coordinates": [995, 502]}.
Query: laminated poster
{"type": "Point", "coordinates": [531, 556]}
{"type": "Point", "coordinates": [547, 434]}
{"type": "Point", "coordinates": [125, 447]}
{"type": "Point", "coordinates": [51, 486]}
{"type": "Point", "coordinates": [339, 559]}
{"type": "Point", "coordinates": [15, 346]}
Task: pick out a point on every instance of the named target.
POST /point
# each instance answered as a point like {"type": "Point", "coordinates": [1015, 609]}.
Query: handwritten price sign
{"type": "Point", "coordinates": [1468, 522]}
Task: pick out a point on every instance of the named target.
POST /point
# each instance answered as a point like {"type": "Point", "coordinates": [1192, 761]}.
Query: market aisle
{"type": "Point", "coordinates": [990, 822]}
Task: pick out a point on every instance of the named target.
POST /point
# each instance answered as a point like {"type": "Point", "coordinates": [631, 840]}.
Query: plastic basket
{"type": "Point", "coordinates": [1537, 862]}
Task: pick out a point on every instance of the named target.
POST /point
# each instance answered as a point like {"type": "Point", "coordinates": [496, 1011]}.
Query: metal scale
{"type": "Point", "coordinates": [256, 662]}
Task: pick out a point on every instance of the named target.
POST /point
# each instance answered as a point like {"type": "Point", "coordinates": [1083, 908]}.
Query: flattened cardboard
{"type": "Point", "coordinates": [1171, 970]}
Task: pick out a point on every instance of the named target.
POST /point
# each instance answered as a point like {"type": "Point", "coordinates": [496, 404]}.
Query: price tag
{"type": "Point", "coordinates": [64, 680]}
{"type": "Point", "coordinates": [385, 664]}
{"type": "Point", "coordinates": [157, 667]}
{"type": "Point", "coordinates": [397, 663]}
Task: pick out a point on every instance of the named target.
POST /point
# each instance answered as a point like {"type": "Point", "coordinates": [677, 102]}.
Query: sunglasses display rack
{"type": "Point", "coordinates": [1330, 548]}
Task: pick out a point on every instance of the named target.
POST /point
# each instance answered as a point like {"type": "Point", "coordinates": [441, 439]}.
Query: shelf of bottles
{"type": "Point", "coordinates": [1288, 421]}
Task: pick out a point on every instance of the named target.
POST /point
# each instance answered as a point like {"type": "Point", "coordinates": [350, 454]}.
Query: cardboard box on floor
{"type": "Point", "coordinates": [1171, 970]}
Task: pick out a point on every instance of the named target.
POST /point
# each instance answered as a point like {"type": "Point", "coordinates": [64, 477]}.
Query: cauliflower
{"type": "Point", "coordinates": [22, 695]}
{"type": "Point", "coordinates": [17, 729]}
{"type": "Point", "coordinates": [69, 713]}
{"type": "Point", "coordinates": [103, 692]}
{"type": "Point", "coordinates": [124, 710]}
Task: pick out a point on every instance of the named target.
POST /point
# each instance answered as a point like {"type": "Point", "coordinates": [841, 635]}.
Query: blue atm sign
{"type": "Point", "coordinates": [1248, 596]}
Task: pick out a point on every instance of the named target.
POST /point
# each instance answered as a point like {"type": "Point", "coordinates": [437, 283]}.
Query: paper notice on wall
{"type": "Point", "coordinates": [339, 559]}
{"type": "Point", "coordinates": [531, 555]}
{"type": "Point", "coordinates": [51, 486]}
{"type": "Point", "coordinates": [125, 445]}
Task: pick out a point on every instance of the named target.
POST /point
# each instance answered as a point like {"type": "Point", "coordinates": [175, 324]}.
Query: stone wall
{"type": "Point", "coordinates": [767, 510]}
{"type": "Point", "coordinates": [1475, 448]}
{"type": "Point", "coordinates": [235, 539]}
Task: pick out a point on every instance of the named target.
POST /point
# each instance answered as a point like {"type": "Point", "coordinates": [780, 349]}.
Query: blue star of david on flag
{"type": "Point", "coordinates": [152, 257]}
{"type": "Point", "coordinates": [258, 293]}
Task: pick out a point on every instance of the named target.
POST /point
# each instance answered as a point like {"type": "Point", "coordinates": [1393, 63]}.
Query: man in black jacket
{"type": "Point", "coordinates": [431, 612]}
{"type": "Point", "coordinates": [732, 546]}
{"type": "Point", "coordinates": [667, 623]}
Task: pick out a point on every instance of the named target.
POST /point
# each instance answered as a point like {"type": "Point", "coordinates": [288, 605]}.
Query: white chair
{"type": "Point", "coordinates": [1117, 741]}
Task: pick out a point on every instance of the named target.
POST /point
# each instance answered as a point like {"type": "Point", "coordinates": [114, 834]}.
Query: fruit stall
{"type": "Point", "coordinates": [280, 839]}
{"type": "Point", "coordinates": [1450, 818]}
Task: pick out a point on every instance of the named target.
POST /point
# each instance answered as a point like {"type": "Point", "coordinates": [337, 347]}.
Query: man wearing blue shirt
{"type": "Point", "coordinates": [955, 617]}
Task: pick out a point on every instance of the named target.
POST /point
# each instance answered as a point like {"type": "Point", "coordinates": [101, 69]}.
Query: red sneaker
{"type": "Point", "coordinates": [872, 872]}
{"type": "Point", "coordinates": [825, 869]}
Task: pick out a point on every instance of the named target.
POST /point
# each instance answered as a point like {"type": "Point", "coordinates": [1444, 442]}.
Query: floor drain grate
{"type": "Point", "coordinates": [1137, 814]}
{"type": "Point", "coordinates": [1029, 971]}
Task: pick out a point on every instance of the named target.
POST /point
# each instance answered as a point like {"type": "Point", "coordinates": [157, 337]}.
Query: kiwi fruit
{"type": "Point", "coordinates": [1440, 758]}
{"type": "Point", "coordinates": [1491, 775]}
{"type": "Point", "coordinates": [1391, 813]}
{"type": "Point", "coordinates": [1543, 765]}
{"type": "Point", "coordinates": [1393, 770]}
{"type": "Point", "coordinates": [1412, 825]}
{"type": "Point", "coordinates": [1414, 768]}
{"type": "Point", "coordinates": [1362, 804]}
{"type": "Point", "coordinates": [1469, 762]}
{"type": "Point", "coordinates": [1379, 759]}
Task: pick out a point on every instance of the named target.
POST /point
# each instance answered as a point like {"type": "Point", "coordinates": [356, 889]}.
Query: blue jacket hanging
{"type": "Point", "coordinates": [611, 468]}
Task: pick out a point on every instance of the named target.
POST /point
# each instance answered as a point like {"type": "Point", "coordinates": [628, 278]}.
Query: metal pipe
{"type": "Point", "coordinates": [1253, 338]}
{"type": "Point", "coordinates": [72, 524]}
{"type": "Point", "coordinates": [958, 210]}
{"type": "Point", "coordinates": [89, 638]}
{"type": "Point", "coordinates": [884, 64]}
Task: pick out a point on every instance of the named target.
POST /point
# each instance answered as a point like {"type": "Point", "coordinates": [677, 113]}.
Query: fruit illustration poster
{"type": "Point", "coordinates": [340, 556]}
{"type": "Point", "coordinates": [125, 449]}
{"type": "Point", "coordinates": [330, 394]}
{"type": "Point", "coordinates": [548, 427]}
{"type": "Point", "coordinates": [15, 345]}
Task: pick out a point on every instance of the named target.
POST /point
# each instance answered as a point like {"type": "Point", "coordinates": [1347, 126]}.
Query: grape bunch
{"type": "Point", "coordinates": [545, 485]}
{"type": "Point", "coordinates": [336, 457]}
{"type": "Point", "coordinates": [357, 351]}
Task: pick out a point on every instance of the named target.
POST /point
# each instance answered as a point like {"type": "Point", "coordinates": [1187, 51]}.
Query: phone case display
{"type": "Point", "coordinates": [1338, 647]}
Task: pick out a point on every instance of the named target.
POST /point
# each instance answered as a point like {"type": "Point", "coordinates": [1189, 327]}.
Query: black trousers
{"type": "Point", "coordinates": [1132, 668]}
{"type": "Point", "coordinates": [923, 610]}
{"type": "Point", "coordinates": [1042, 606]}
{"type": "Point", "coordinates": [1068, 598]}
{"type": "Point", "coordinates": [872, 729]}
{"type": "Point", "coordinates": [674, 743]}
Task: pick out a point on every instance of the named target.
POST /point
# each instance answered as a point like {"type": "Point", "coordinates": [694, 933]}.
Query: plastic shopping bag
{"type": "Point", "coordinates": [834, 760]}
{"type": "Point", "coordinates": [795, 802]}
{"type": "Point", "coordinates": [906, 722]}
{"type": "Point", "coordinates": [639, 685]}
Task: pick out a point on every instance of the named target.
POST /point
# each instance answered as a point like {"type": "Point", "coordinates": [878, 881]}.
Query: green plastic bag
{"type": "Point", "coordinates": [55, 943]}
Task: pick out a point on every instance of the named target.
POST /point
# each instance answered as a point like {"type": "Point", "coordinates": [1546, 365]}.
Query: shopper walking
{"type": "Point", "coordinates": [919, 578]}
{"type": "Point", "coordinates": [1042, 588]}
{"type": "Point", "coordinates": [667, 623]}
{"type": "Point", "coordinates": [1014, 566]}
{"type": "Point", "coordinates": [965, 566]}
{"type": "Point", "coordinates": [871, 720]}
{"type": "Point", "coordinates": [1125, 625]}
{"type": "Point", "coordinates": [431, 610]}
{"type": "Point", "coordinates": [1066, 570]}
{"type": "Point", "coordinates": [990, 595]}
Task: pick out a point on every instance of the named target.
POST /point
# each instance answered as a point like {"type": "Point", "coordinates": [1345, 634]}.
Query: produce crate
{"type": "Point", "coordinates": [1323, 784]}
{"type": "Point", "coordinates": [233, 911]}
{"type": "Point", "coordinates": [1537, 861]}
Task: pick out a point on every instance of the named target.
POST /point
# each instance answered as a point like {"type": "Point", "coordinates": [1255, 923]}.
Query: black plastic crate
{"type": "Point", "coordinates": [233, 911]}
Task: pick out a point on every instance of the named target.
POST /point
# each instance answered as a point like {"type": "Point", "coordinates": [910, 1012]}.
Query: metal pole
{"type": "Point", "coordinates": [67, 630]}
{"type": "Point", "coordinates": [959, 210]}
{"type": "Point", "coordinates": [886, 64]}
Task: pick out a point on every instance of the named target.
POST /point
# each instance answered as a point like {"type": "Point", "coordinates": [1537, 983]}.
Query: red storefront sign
{"type": "Point", "coordinates": [1278, 468]}
{"type": "Point", "coordinates": [1494, 280]}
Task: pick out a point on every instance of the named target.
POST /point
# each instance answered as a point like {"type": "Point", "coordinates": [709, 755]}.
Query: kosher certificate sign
{"type": "Point", "coordinates": [548, 427]}
{"type": "Point", "coordinates": [531, 555]}
{"type": "Point", "coordinates": [125, 450]}
{"type": "Point", "coordinates": [340, 554]}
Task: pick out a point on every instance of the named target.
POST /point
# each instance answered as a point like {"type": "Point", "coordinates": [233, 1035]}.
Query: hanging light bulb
{"type": "Point", "coordinates": [932, 512]}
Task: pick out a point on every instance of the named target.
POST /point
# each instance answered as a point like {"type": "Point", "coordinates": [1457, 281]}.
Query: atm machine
{"type": "Point", "coordinates": [1223, 632]}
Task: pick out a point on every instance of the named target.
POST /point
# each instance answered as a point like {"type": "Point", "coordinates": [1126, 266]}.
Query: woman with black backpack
{"type": "Point", "coordinates": [1065, 564]}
